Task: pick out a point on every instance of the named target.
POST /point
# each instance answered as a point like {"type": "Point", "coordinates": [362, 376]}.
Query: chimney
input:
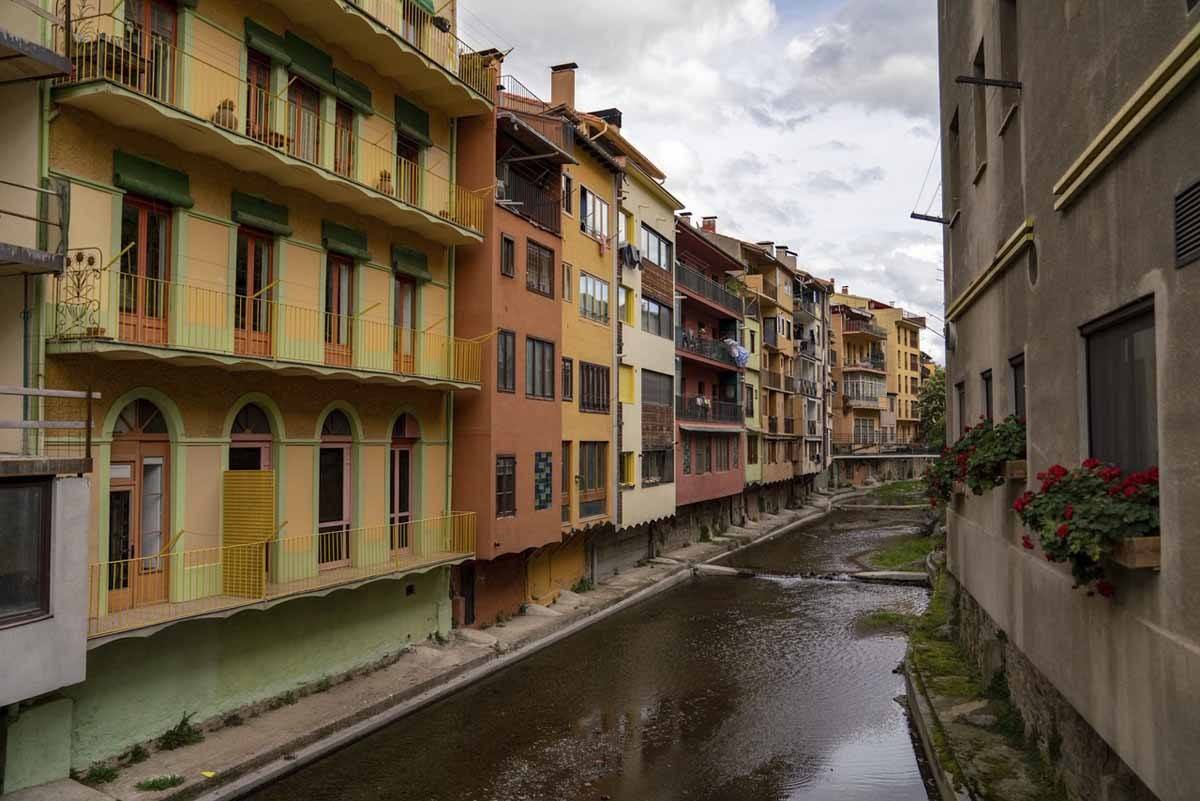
{"type": "Point", "coordinates": [562, 85]}
{"type": "Point", "coordinates": [686, 216]}
{"type": "Point", "coordinates": [845, 290]}
{"type": "Point", "coordinates": [708, 224]}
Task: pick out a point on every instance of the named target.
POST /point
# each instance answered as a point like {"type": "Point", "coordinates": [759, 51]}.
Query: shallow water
{"type": "Point", "coordinates": [723, 689]}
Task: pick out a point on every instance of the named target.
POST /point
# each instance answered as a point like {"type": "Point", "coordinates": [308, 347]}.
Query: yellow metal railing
{"type": "Point", "coordinates": [415, 25]}
{"type": "Point", "coordinates": [109, 49]}
{"type": "Point", "coordinates": [117, 306]}
{"type": "Point", "coordinates": [128, 594]}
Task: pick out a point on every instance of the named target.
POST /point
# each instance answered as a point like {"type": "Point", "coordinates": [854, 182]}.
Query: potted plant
{"type": "Point", "coordinates": [996, 448]}
{"type": "Point", "coordinates": [1093, 515]}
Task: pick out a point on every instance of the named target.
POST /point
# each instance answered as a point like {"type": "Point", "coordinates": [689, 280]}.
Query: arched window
{"type": "Point", "coordinates": [138, 508]}
{"type": "Point", "coordinates": [250, 439]}
{"type": "Point", "coordinates": [333, 492]}
{"type": "Point", "coordinates": [405, 432]}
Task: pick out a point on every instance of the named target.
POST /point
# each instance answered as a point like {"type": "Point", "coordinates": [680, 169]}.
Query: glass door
{"type": "Point", "coordinates": [143, 291]}
{"type": "Point", "coordinates": [304, 121]}
{"type": "Point", "coordinates": [333, 506]}
{"type": "Point", "coordinates": [339, 279]}
{"type": "Point", "coordinates": [252, 310]}
{"type": "Point", "coordinates": [400, 479]}
{"type": "Point", "coordinates": [405, 323]}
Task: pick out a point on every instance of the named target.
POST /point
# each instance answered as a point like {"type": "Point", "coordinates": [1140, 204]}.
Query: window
{"type": "Point", "coordinates": [751, 450]}
{"type": "Point", "coordinates": [252, 293]}
{"type": "Point", "coordinates": [408, 170]}
{"type": "Point", "coordinates": [539, 368]}
{"type": "Point", "coordinates": [25, 549]}
{"type": "Point", "coordinates": [146, 226]}
{"type": "Point", "coordinates": [625, 383]}
{"type": "Point", "coordinates": [565, 489]}
{"type": "Point", "coordinates": [593, 469]}
{"type": "Point", "coordinates": [593, 214]}
{"type": "Point", "coordinates": [259, 100]}
{"type": "Point", "coordinates": [334, 486]}
{"type": "Point", "coordinates": [625, 305]}
{"type": "Point", "coordinates": [656, 318]}
{"type": "Point", "coordinates": [566, 282]}
{"type": "Point", "coordinates": [506, 361]}
{"type": "Point", "coordinates": [339, 308]}
{"type": "Point", "coordinates": [1018, 384]}
{"type": "Point", "coordinates": [593, 388]}
{"type": "Point", "coordinates": [1121, 399]}
{"type": "Point", "coordinates": [979, 102]}
{"type": "Point", "coordinates": [655, 248]}
{"type": "Point", "coordinates": [508, 256]}
{"type": "Point", "coordinates": [623, 220]}
{"type": "Point", "coordinates": [721, 446]}
{"type": "Point", "coordinates": [701, 454]}
{"type": "Point", "coordinates": [343, 141]}
{"type": "Point", "coordinates": [627, 469]}
{"type": "Point", "coordinates": [753, 342]}
{"type": "Point", "coordinates": [539, 269]}
{"type": "Point", "coordinates": [506, 486]}
{"type": "Point", "coordinates": [987, 393]}
{"type": "Point", "coordinates": [151, 27]}
{"type": "Point", "coordinates": [568, 190]}
{"type": "Point", "coordinates": [593, 298]}
{"type": "Point", "coordinates": [658, 466]}
{"type": "Point", "coordinates": [960, 398]}
{"type": "Point", "coordinates": [657, 388]}
{"type": "Point", "coordinates": [1010, 51]}
{"type": "Point", "coordinates": [749, 402]}
{"type": "Point", "coordinates": [304, 120]}
{"type": "Point", "coordinates": [568, 379]}
{"type": "Point", "coordinates": [953, 168]}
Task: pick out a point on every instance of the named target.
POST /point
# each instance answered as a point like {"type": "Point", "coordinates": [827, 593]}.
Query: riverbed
{"type": "Point", "coordinates": [722, 689]}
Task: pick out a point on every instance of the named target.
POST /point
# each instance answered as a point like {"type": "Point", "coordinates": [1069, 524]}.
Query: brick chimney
{"type": "Point", "coordinates": [708, 224]}
{"type": "Point", "coordinates": [562, 85]}
{"type": "Point", "coordinates": [686, 216]}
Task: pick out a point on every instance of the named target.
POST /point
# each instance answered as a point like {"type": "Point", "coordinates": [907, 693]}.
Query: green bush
{"type": "Point", "coordinates": [181, 734]}
{"type": "Point", "coordinates": [160, 782]}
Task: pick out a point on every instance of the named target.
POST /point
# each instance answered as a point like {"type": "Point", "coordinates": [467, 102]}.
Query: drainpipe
{"type": "Point", "coordinates": [620, 417]}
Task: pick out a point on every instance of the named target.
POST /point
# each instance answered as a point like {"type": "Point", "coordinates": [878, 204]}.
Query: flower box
{"type": "Point", "coordinates": [1017, 470]}
{"type": "Point", "coordinates": [1138, 552]}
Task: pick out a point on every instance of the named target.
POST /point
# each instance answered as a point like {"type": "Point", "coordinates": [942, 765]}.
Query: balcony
{"type": "Point", "coordinates": [121, 316]}
{"type": "Point", "coordinates": [405, 42]}
{"type": "Point", "coordinates": [852, 327]}
{"type": "Point", "coordinates": [875, 441]}
{"type": "Point", "coordinates": [773, 380]}
{"type": "Point", "coordinates": [53, 436]}
{"type": "Point", "coordinates": [531, 112]}
{"type": "Point", "coordinates": [706, 347]}
{"type": "Point", "coordinates": [808, 388]}
{"type": "Point", "coordinates": [23, 209]}
{"type": "Point", "coordinates": [770, 289]}
{"type": "Point", "coordinates": [144, 84]}
{"type": "Point", "coordinates": [860, 400]}
{"type": "Point", "coordinates": [540, 204]}
{"type": "Point", "coordinates": [806, 307]}
{"type": "Point", "coordinates": [182, 582]}
{"type": "Point", "coordinates": [789, 425]}
{"type": "Point", "coordinates": [21, 58]}
{"type": "Point", "coordinates": [701, 408]}
{"type": "Point", "coordinates": [875, 363]}
{"type": "Point", "coordinates": [697, 283]}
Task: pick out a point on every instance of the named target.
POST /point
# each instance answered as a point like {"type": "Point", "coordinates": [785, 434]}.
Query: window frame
{"type": "Point", "coordinates": [665, 315]}
{"type": "Point", "coordinates": [655, 457]}
{"type": "Point", "coordinates": [587, 213]}
{"type": "Point", "coordinates": [988, 386]}
{"type": "Point", "coordinates": [595, 388]}
{"type": "Point", "coordinates": [663, 247]}
{"type": "Point", "coordinates": [533, 281]}
{"type": "Point", "coordinates": [506, 493]}
{"type": "Point", "coordinates": [568, 378]}
{"type": "Point", "coordinates": [1017, 374]}
{"type": "Point", "coordinates": [508, 256]}
{"type": "Point", "coordinates": [568, 194]}
{"type": "Point", "coordinates": [539, 368]}
{"type": "Point", "coordinates": [588, 302]}
{"type": "Point", "coordinates": [506, 379]}
{"type": "Point", "coordinates": [45, 487]}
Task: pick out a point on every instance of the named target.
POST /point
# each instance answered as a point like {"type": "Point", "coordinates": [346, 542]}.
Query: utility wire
{"type": "Point", "coordinates": [925, 181]}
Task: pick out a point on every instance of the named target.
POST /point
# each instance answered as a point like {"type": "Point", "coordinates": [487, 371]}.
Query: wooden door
{"type": "Point", "coordinates": [304, 121]}
{"type": "Point", "coordinates": [408, 170]}
{"type": "Point", "coordinates": [144, 281]}
{"type": "Point", "coordinates": [139, 569]}
{"type": "Point", "coordinates": [150, 37]}
{"type": "Point", "coordinates": [400, 509]}
{"type": "Point", "coordinates": [405, 325]}
{"type": "Point", "coordinates": [253, 311]}
{"type": "Point", "coordinates": [339, 293]}
{"type": "Point", "coordinates": [333, 506]}
{"type": "Point", "coordinates": [259, 101]}
{"type": "Point", "coordinates": [343, 141]}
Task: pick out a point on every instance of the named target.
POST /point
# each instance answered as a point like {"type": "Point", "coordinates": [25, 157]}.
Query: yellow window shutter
{"type": "Point", "coordinates": [626, 379]}
{"type": "Point", "coordinates": [247, 524]}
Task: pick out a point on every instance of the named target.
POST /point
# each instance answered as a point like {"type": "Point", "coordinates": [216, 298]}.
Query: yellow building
{"type": "Point", "coordinates": [264, 215]}
{"type": "Point", "coordinates": [900, 351]}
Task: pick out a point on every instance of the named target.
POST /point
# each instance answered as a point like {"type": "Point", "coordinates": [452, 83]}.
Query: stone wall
{"type": "Point", "coordinates": [1087, 767]}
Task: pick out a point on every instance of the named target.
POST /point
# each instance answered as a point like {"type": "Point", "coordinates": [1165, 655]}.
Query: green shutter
{"type": "Point", "coordinates": [355, 94]}
{"type": "Point", "coordinates": [267, 42]}
{"type": "Point", "coordinates": [310, 62]}
{"type": "Point", "coordinates": [413, 121]}
{"type": "Point", "coordinates": [411, 262]}
{"type": "Point", "coordinates": [344, 241]}
{"type": "Point", "coordinates": [258, 212]}
{"type": "Point", "coordinates": [151, 179]}
{"type": "Point", "coordinates": [427, 5]}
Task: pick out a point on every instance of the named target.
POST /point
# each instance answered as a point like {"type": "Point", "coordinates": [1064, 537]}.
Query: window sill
{"type": "Point", "coordinates": [533, 291]}
{"type": "Point", "coordinates": [595, 411]}
{"type": "Point", "coordinates": [25, 620]}
{"type": "Point", "coordinates": [538, 397]}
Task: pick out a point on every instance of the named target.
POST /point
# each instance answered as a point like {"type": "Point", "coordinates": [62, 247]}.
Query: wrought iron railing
{"type": "Point", "coordinates": [707, 347]}
{"type": "Point", "coordinates": [809, 387]}
{"type": "Point", "coordinates": [109, 49]}
{"type": "Point", "coordinates": [99, 304]}
{"type": "Point", "coordinates": [699, 407]}
{"type": "Point", "coordinates": [531, 110]}
{"type": "Point", "coordinates": [536, 203]}
{"type": "Point", "coordinates": [773, 380]}
{"type": "Point", "coordinates": [699, 283]}
{"type": "Point", "coordinates": [863, 327]}
{"type": "Point", "coordinates": [181, 582]}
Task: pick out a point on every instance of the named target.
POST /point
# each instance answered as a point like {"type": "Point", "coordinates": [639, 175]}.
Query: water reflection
{"type": "Point", "coordinates": [723, 689]}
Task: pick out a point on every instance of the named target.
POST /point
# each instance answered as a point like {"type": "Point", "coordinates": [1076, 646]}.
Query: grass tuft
{"type": "Point", "coordinates": [183, 733]}
{"type": "Point", "coordinates": [159, 783]}
{"type": "Point", "coordinates": [100, 774]}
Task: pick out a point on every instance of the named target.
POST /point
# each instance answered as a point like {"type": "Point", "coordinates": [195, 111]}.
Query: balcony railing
{"type": "Point", "coordinates": [540, 205]}
{"type": "Point", "coordinates": [23, 210]}
{"type": "Point", "coordinates": [183, 582]}
{"type": "Point", "coordinates": [96, 305]}
{"type": "Point", "coordinates": [791, 384]}
{"type": "Point", "coordinates": [877, 440]}
{"type": "Point", "coordinates": [111, 50]}
{"type": "Point", "coordinates": [707, 347]}
{"type": "Point", "coordinates": [773, 380]}
{"type": "Point", "coordinates": [54, 434]}
{"type": "Point", "coordinates": [806, 307]}
{"type": "Point", "coordinates": [699, 407]}
{"type": "Point", "coordinates": [699, 283]}
{"type": "Point", "coordinates": [415, 25]}
{"type": "Point", "coordinates": [863, 327]}
{"type": "Point", "coordinates": [875, 362]}
{"type": "Point", "coordinates": [809, 387]}
{"type": "Point", "coordinates": [531, 110]}
{"type": "Point", "coordinates": [789, 425]}
{"type": "Point", "coordinates": [770, 288]}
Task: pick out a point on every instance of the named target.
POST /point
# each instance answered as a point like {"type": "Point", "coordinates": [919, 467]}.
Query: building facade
{"type": "Point", "coordinates": [265, 218]}
{"type": "Point", "coordinates": [1084, 333]}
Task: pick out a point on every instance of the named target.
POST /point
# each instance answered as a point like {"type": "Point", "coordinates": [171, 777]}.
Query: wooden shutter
{"type": "Point", "coordinates": [247, 524]}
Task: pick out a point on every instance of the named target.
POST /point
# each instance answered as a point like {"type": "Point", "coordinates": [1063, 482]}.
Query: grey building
{"type": "Point", "coordinates": [1072, 257]}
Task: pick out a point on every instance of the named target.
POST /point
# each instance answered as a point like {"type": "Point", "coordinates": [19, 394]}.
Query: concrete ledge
{"type": "Point", "coordinates": [925, 720]}
{"type": "Point", "coordinates": [64, 790]}
{"type": "Point", "coordinates": [892, 577]}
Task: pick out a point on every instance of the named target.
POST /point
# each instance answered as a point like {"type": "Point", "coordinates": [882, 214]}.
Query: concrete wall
{"type": "Point", "coordinates": [1126, 665]}
{"type": "Point", "coordinates": [47, 654]}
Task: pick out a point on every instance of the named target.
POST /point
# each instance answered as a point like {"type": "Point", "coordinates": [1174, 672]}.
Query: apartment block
{"type": "Point", "coordinates": [265, 216]}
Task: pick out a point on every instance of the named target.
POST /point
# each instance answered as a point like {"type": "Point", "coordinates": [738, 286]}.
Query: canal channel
{"type": "Point", "coordinates": [721, 689]}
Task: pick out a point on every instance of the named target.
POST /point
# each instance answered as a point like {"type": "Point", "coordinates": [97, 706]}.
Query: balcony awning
{"type": "Point", "coordinates": [723, 428]}
{"type": "Point", "coordinates": [411, 262]}
{"type": "Point", "coordinates": [532, 139]}
{"type": "Point", "coordinates": [260, 213]}
{"type": "Point", "coordinates": [151, 179]}
{"type": "Point", "coordinates": [344, 241]}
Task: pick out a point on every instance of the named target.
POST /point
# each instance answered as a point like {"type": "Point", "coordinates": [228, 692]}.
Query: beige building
{"type": "Point", "coordinates": [1072, 266]}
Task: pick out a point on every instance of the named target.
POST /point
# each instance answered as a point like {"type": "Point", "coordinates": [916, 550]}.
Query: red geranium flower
{"type": "Point", "coordinates": [1130, 492]}
{"type": "Point", "coordinates": [1091, 464]}
{"type": "Point", "coordinates": [1106, 588]}
{"type": "Point", "coordinates": [1028, 543]}
{"type": "Point", "coordinates": [1063, 531]}
{"type": "Point", "coordinates": [1069, 512]}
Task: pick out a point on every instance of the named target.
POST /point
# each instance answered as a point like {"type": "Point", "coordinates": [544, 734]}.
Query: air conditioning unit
{"type": "Point", "coordinates": [631, 256]}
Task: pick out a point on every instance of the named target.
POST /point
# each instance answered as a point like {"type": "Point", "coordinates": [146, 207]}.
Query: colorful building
{"type": "Point", "coordinates": [508, 438]}
{"type": "Point", "coordinates": [710, 399]}
{"type": "Point", "coordinates": [265, 217]}
{"type": "Point", "coordinates": [810, 305]}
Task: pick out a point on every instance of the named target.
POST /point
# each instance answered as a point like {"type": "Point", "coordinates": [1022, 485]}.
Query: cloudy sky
{"type": "Point", "coordinates": [806, 122]}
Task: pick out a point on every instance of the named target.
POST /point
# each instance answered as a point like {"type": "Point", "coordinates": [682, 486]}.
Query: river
{"type": "Point", "coordinates": [722, 689]}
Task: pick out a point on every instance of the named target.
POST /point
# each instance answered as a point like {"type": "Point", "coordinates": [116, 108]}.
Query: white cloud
{"type": "Point", "coordinates": [808, 122]}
